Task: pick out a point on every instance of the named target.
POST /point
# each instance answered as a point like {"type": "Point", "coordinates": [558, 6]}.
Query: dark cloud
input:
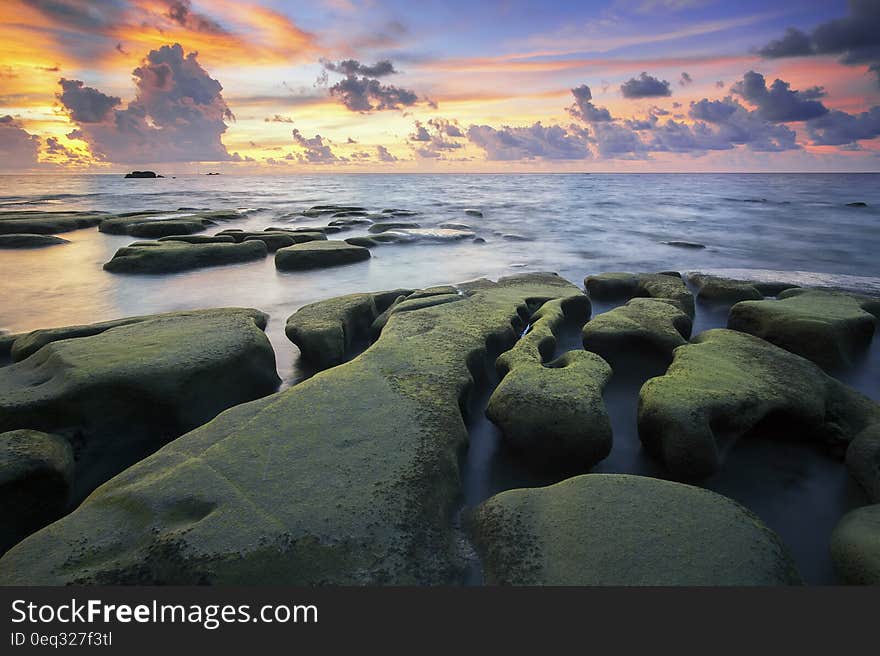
{"type": "Point", "coordinates": [180, 12]}
{"type": "Point", "coordinates": [855, 38]}
{"type": "Point", "coordinates": [685, 80]}
{"type": "Point", "coordinates": [85, 104]}
{"type": "Point", "coordinates": [90, 15]}
{"type": "Point", "coordinates": [435, 137]}
{"type": "Point", "coordinates": [778, 103]}
{"type": "Point", "coordinates": [645, 86]}
{"type": "Point", "coordinates": [719, 84]}
{"type": "Point", "coordinates": [315, 150]}
{"type": "Point", "coordinates": [18, 148]}
{"type": "Point", "coordinates": [278, 118]}
{"type": "Point", "coordinates": [617, 141]}
{"type": "Point", "coordinates": [513, 143]}
{"type": "Point", "coordinates": [352, 67]}
{"type": "Point", "coordinates": [583, 108]}
{"type": "Point", "coordinates": [178, 113]}
{"type": "Point", "coordinates": [56, 149]}
{"type": "Point", "coordinates": [838, 128]}
{"type": "Point", "coordinates": [384, 156]}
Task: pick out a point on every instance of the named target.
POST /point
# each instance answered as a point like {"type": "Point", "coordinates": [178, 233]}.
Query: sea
{"type": "Point", "coordinates": [799, 228]}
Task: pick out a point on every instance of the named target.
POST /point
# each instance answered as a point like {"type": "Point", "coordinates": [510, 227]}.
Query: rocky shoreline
{"type": "Point", "coordinates": [157, 449]}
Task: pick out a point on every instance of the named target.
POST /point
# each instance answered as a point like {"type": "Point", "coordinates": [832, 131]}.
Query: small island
{"type": "Point", "coordinates": [143, 174]}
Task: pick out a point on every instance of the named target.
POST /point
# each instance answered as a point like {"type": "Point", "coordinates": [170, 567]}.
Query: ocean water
{"type": "Point", "coordinates": [794, 227]}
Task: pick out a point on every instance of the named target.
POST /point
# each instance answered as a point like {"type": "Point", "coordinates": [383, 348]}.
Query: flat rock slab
{"type": "Point", "coordinates": [830, 328]}
{"type": "Point", "coordinates": [30, 241]}
{"type": "Point", "coordinates": [173, 256]}
{"type": "Point", "coordinates": [36, 477]}
{"type": "Point", "coordinates": [350, 477]}
{"type": "Point", "coordinates": [617, 286]}
{"type": "Point", "coordinates": [392, 225]}
{"type": "Point", "coordinates": [643, 324]}
{"type": "Point", "coordinates": [726, 384]}
{"type": "Point", "coordinates": [47, 223]}
{"type": "Point", "coordinates": [129, 388]}
{"type": "Point", "coordinates": [727, 291]}
{"type": "Point", "coordinates": [319, 254]}
{"type": "Point", "coordinates": [616, 529]}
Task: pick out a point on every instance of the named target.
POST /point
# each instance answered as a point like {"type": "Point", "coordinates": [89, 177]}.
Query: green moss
{"type": "Point", "coordinates": [624, 286]}
{"type": "Point", "coordinates": [30, 241]}
{"type": "Point", "coordinates": [726, 384]}
{"type": "Point", "coordinates": [164, 227]}
{"type": "Point", "coordinates": [319, 254]}
{"type": "Point", "coordinates": [830, 328]}
{"type": "Point", "coordinates": [36, 472]}
{"type": "Point", "coordinates": [348, 477]}
{"type": "Point", "coordinates": [47, 223]}
{"type": "Point", "coordinates": [614, 529]}
{"type": "Point", "coordinates": [855, 546]}
{"type": "Point", "coordinates": [654, 325]}
{"type": "Point", "coordinates": [173, 256]}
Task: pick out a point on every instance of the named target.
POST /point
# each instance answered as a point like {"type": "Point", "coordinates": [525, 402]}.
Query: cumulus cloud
{"type": "Point", "coordinates": [855, 38]}
{"type": "Point", "coordinates": [277, 118]}
{"type": "Point", "coordinates": [645, 86]}
{"type": "Point", "coordinates": [685, 79]}
{"type": "Point", "coordinates": [178, 113]}
{"type": "Point", "coordinates": [362, 91]}
{"type": "Point", "coordinates": [384, 156]}
{"type": "Point", "coordinates": [778, 102]}
{"type": "Point", "coordinates": [438, 135]}
{"type": "Point", "coordinates": [584, 109]}
{"type": "Point", "coordinates": [315, 150]}
{"type": "Point", "coordinates": [547, 142]}
{"type": "Point", "coordinates": [838, 128]}
{"type": "Point", "coordinates": [18, 148]}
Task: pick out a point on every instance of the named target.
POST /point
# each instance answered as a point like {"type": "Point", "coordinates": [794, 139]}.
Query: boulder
{"type": "Point", "coordinates": [622, 530]}
{"type": "Point", "coordinates": [473, 212]}
{"type": "Point", "coordinates": [36, 473]}
{"type": "Point", "coordinates": [858, 203]}
{"type": "Point", "coordinates": [319, 254]}
{"type": "Point", "coordinates": [552, 413]}
{"type": "Point", "coordinates": [863, 461]}
{"type": "Point", "coordinates": [644, 324]}
{"type": "Point", "coordinates": [349, 477]}
{"type": "Point", "coordinates": [830, 328]}
{"type": "Point", "coordinates": [133, 385]}
{"type": "Point", "coordinates": [173, 256]}
{"type": "Point", "coordinates": [384, 226]}
{"type": "Point", "coordinates": [47, 223]}
{"type": "Point", "coordinates": [617, 286]}
{"type": "Point", "coordinates": [157, 224]}
{"type": "Point", "coordinates": [365, 242]}
{"type": "Point", "coordinates": [163, 228]}
{"type": "Point", "coordinates": [724, 385]}
{"type": "Point", "coordinates": [30, 241]}
{"type": "Point", "coordinates": [200, 239]}
{"type": "Point", "coordinates": [855, 546]}
{"type": "Point", "coordinates": [325, 331]}
{"type": "Point", "coordinates": [727, 291]}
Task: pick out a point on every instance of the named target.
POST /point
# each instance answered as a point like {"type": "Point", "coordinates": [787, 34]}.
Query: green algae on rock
{"type": "Point", "coordinates": [863, 461]}
{"type": "Point", "coordinates": [624, 286]}
{"type": "Point", "coordinates": [392, 225]}
{"type": "Point", "coordinates": [36, 474]}
{"type": "Point", "coordinates": [24, 240]}
{"type": "Point", "coordinates": [173, 256]}
{"type": "Point", "coordinates": [726, 384]}
{"type": "Point", "coordinates": [47, 223]}
{"type": "Point", "coordinates": [200, 239]}
{"type": "Point", "coordinates": [127, 389]}
{"type": "Point", "coordinates": [654, 325]}
{"type": "Point", "coordinates": [830, 328]}
{"type": "Point", "coordinates": [319, 254]}
{"type": "Point", "coordinates": [350, 477]}
{"type": "Point", "coordinates": [855, 546]}
{"type": "Point", "coordinates": [618, 529]}
{"type": "Point", "coordinates": [325, 331]}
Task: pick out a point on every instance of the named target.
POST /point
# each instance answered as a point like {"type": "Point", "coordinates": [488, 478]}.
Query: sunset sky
{"type": "Point", "coordinates": [281, 86]}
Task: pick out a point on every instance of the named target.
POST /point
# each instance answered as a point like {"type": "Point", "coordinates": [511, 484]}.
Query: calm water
{"type": "Point", "coordinates": [795, 227]}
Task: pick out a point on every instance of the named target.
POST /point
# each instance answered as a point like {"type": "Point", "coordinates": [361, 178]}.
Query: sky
{"type": "Point", "coordinates": [278, 86]}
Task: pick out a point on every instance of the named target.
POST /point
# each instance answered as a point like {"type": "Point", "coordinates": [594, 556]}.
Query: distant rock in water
{"type": "Point", "coordinates": [857, 204]}
{"type": "Point", "coordinates": [143, 174]}
{"type": "Point", "coordinates": [684, 244]}
{"type": "Point", "coordinates": [472, 212]}
{"type": "Point", "coordinates": [212, 174]}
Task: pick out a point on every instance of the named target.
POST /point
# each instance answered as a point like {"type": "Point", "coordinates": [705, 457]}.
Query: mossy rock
{"type": "Point", "coordinates": [47, 223]}
{"type": "Point", "coordinates": [349, 477]}
{"type": "Point", "coordinates": [274, 238]}
{"type": "Point", "coordinates": [124, 391]}
{"type": "Point", "coordinates": [30, 241]}
{"type": "Point", "coordinates": [616, 286]}
{"type": "Point", "coordinates": [350, 222]}
{"type": "Point", "coordinates": [392, 225]}
{"type": "Point", "coordinates": [643, 324]}
{"type": "Point", "coordinates": [36, 474]}
{"type": "Point", "coordinates": [319, 254]}
{"type": "Point", "coordinates": [622, 530]}
{"type": "Point", "coordinates": [325, 331]}
{"type": "Point", "coordinates": [173, 256]}
{"type": "Point", "coordinates": [163, 228]}
{"type": "Point", "coordinates": [855, 546]}
{"type": "Point", "coordinates": [726, 384]}
{"type": "Point", "coordinates": [830, 328]}
{"type": "Point", "coordinates": [157, 223]}
{"type": "Point", "coordinates": [365, 242]}
{"type": "Point", "coordinates": [863, 461]}
{"type": "Point", "coordinates": [200, 239]}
